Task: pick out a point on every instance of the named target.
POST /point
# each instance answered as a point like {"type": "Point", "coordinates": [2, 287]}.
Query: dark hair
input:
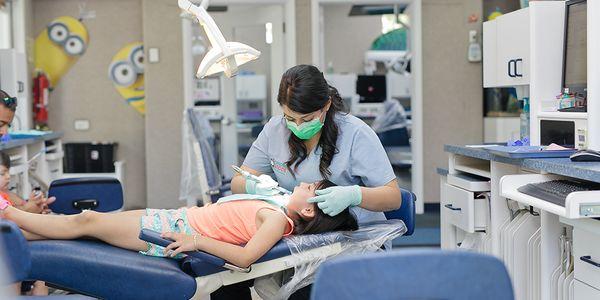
{"type": "Point", "coordinates": [4, 95]}
{"type": "Point", "coordinates": [303, 89]}
{"type": "Point", "coordinates": [4, 160]}
{"type": "Point", "coordinates": [322, 222]}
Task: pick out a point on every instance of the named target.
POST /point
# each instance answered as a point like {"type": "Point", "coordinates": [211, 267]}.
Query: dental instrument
{"type": "Point", "coordinates": [255, 178]}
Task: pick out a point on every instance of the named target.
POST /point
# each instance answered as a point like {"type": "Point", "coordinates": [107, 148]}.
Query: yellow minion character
{"type": "Point", "coordinates": [59, 46]}
{"type": "Point", "coordinates": [127, 73]}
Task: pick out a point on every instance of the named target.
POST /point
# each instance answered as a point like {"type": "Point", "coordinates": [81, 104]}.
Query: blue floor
{"type": "Point", "coordinates": [422, 237]}
{"type": "Point", "coordinates": [427, 230]}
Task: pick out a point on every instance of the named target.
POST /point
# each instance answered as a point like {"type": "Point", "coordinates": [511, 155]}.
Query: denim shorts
{"type": "Point", "coordinates": [165, 220]}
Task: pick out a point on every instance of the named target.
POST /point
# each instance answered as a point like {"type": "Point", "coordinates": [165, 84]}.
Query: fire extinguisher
{"type": "Point", "coordinates": [41, 90]}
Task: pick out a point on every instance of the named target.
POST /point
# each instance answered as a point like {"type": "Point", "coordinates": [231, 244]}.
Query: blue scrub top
{"type": "Point", "coordinates": [360, 160]}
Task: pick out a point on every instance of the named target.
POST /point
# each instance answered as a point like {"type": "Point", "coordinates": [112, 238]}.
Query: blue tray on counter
{"type": "Point", "coordinates": [528, 152]}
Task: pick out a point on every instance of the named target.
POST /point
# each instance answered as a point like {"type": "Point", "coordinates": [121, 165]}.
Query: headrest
{"type": "Point", "coordinates": [103, 194]}
{"type": "Point", "coordinates": [406, 212]}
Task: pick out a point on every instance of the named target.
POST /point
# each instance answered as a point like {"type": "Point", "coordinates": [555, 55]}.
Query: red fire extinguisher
{"type": "Point", "coordinates": [41, 89]}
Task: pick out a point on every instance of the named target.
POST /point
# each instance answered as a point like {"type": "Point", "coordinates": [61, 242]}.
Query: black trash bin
{"type": "Point", "coordinates": [89, 157]}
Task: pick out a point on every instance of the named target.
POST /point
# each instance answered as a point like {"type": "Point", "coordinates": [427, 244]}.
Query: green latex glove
{"type": "Point", "coordinates": [265, 187]}
{"type": "Point", "coordinates": [335, 199]}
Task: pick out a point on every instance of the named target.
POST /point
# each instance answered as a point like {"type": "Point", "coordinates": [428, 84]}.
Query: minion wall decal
{"type": "Point", "coordinates": [127, 73]}
{"type": "Point", "coordinates": [59, 46]}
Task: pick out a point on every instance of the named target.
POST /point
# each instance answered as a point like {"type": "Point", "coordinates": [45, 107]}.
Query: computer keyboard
{"type": "Point", "coordinates": [556, 191]}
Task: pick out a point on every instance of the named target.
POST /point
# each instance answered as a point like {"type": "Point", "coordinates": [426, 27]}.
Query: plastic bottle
{"type": "Point", "coordinates": [524, 132]}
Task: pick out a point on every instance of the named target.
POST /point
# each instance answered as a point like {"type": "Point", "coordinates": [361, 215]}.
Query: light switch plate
{"type": "Point", "coordinates": [82, 125]}
{"type": "Point", "coordinates": [153, 55]}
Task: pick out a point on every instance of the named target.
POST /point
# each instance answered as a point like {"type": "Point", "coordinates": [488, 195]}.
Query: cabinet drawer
{"type": "Point", "coordinates": [583, 291]}
{"type": "Point", "coordinates": [463, 210]}
{"type": "Point", "coordinates": [586, 253]}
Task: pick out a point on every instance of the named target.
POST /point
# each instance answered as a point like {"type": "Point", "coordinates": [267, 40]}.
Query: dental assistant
{"type": "Point", "coordinates": [314, 140]}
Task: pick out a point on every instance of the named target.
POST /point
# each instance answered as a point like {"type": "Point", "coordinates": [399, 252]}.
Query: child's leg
{"type": "Point", "coordinates": [118, 229]}
{"type": "Point", "coordinates": [32, 236]}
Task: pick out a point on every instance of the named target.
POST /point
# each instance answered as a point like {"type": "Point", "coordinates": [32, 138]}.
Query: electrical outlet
{"type": "Point", "coordinates": [82, 125]}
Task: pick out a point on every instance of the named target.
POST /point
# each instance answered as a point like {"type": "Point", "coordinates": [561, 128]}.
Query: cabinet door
{"type": "Point", "coordinates": [23, 92]}
{"type": "Point", "coordinates": [513, 48]}
{"type": "Point", "coordinates": [490, 47]}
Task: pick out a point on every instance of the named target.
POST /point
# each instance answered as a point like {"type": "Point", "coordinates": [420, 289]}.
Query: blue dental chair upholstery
{"type": "Point", "coordinates": [414, 274]}
{"type": "Point", "coordinates": [74, 195]}
{"type": "Point", "coordinates": [19, 265]}
{"type": "Point", "coordinates": [13, 242]}
{"type": "Point", "coordinates": [100, 270]}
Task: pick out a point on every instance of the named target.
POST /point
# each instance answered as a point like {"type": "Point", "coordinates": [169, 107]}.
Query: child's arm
{"type": "Point", "coordinates": [270, 232]}
{"type": "Point", "coordinates": [34, 205]}
{"type": "Point", "coordinates": [16, 200]}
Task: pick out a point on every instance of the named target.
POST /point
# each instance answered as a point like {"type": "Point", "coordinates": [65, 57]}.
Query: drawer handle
{"type": "Point", "coordinates": [449, 206]}
{"type": "Point", "coordinates": [588, 259]}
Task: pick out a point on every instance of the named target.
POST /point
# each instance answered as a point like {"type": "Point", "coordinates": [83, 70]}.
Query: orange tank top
{"type": "Point", "coordinates": [232, 222]}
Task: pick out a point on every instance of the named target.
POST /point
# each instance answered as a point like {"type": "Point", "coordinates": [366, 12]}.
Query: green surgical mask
{"type": "Point", "coordinates": [305, 130]}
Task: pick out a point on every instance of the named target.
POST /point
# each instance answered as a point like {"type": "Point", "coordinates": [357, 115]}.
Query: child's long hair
{"type": "Point", "coordinates": [323, 222]}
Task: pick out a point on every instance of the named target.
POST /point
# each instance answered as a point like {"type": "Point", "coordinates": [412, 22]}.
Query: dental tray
{"type": "Point", "coordinates": [528, 152]}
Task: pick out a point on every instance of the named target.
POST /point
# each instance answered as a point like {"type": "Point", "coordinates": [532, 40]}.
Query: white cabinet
{"type": "Point", "coordinates": [506, 50]}
{"type": "Point", "coordinates": [586, 252]}
{"type": "Point", "coordinates": [513, 48]}
{"type": "Point", "coordinates": [585, 292]}
{"type": "Point", "coordinates": [14, 81]}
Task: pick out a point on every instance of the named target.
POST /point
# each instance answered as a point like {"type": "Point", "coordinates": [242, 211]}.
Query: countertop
{"type": "Point", "coordinates": [26, 141]}
{"type": "Point", "coordinates": [560, 166]}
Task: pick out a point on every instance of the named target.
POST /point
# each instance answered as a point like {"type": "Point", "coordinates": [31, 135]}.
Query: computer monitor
{"type": "Point", "coordinates": [371, 88]}
{"type": "Point", "coordinates": [575, 47]}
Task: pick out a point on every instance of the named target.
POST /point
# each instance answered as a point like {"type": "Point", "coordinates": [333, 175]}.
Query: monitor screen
{"type": "Point", "coordinates": [575, 56]}
{"type": "Point", "coordinates": [557, 132]}
{"type": "Point", "coordinates": [371, 88]}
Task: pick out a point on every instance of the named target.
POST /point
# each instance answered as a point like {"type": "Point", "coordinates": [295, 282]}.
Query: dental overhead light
{"type": "Point", "coordinates": [224, 56]}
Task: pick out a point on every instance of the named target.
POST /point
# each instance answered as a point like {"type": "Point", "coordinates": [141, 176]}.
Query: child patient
{"type": "Point", "coordinates": [217, 229]}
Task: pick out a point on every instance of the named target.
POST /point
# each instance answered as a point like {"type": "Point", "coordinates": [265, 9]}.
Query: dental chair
{"type": "Point", "coordinates": [19, 266]}
{"type": "Point", "coordinates": [100, 270]}
{"type": "Point", "coordinates": [201, 181]}
{"type": "Point", "coordinates": [413, 274]}
{"type": "Point", "coordinates": [74, 195]}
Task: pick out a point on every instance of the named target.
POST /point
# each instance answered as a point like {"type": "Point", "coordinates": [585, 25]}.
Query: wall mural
{"type": "Point", "coordinates": [127, 73]}
{"type": "Point", "coordinates": [57, 48]}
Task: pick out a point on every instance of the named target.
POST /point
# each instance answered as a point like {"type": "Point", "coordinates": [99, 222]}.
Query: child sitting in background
{"type": "Point", "coordinates": [37, 203]}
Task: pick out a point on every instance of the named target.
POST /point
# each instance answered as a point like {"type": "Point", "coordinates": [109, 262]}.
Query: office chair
{"type": "Point", "coordinates": [414, 274]}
